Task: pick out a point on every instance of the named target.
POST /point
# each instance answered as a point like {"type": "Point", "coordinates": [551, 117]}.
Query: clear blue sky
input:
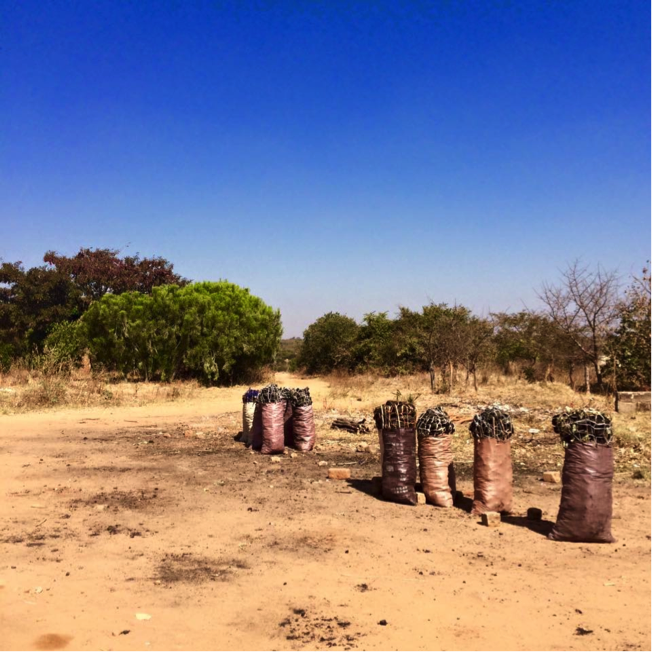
{"type": "Point", "coordinates": [350, 156]}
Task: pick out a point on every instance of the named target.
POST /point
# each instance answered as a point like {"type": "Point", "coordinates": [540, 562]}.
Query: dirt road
{"type": "Point", "coordinates": [151, 528]}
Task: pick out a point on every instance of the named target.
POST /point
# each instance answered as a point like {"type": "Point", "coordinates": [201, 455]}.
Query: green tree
{"type": "Point", "coordinates": [31, 302]}
{"type": "Point", "coordinates": [375, 346]}
{"type": "Point", "coordinates": [328, 344]}
{"type": "Point", "coordinates": [216, 332]}
{"type": "Point", "coordinates": [630, 348]}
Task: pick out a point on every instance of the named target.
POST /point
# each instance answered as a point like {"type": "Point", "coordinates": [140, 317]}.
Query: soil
{"type": "Point", "coordinates": [159, 511]}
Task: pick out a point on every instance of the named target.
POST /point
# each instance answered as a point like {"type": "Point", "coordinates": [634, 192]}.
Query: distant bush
{"type": "Point", "coordinates": [328, 344]}
{"type": "Point", "coordinates": [63, 347]}
{"type": "Point", "coordinates": [216, 332]}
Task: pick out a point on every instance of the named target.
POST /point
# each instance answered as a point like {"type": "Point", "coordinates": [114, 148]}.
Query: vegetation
{"type": "Point", "coordinates": [629, 346]}
{"type": "Point", "coordinates": [215, 332]}
{"type": "Point", "coordinates": [585, 325]}
{"type": "Point", "coordinates": [33, 301]}
{"type": "Point", "coordinates": [134, 316]}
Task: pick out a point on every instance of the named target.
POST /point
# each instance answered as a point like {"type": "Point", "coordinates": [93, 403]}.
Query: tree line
{"type": "Point", "coordinates": [586, 324]}
{"type": "Point", "coordinates": [134, 316]}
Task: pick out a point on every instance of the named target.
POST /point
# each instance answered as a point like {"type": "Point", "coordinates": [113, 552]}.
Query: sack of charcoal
{"type": "Point", "coordinates": [585, 510]}
{"type": "Point", "coordinates": [248, 409]}
{"type": "Point", "coordinates": [303, 420]}
{"type": "Point", "coordinates": [268, 428]}
{"type": "Point", "coordinates": [288, 417]}
{"type": "Point", "coordinates": [492, 431]}
{"type": "Point", "coordinates": [434, 430]}
{"type": "Point", "coordinates": [396, 421]}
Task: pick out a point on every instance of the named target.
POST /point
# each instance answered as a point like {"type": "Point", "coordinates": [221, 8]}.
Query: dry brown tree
{"type": "Point", "coordinates": [585, 308]}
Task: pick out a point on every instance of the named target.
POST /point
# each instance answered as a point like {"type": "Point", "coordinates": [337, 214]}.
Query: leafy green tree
{"type": "Point", "coordinates": [328, 344]}
{"type": "Point", "coordinates": [375, 346]}
{"type": "Point", "coordinates": [216, 332]}
{"type": "Point", "coordinates": [479, 347]}
{"type": "Point", "coordinates": [31, 302]}
{"type": "Point", "coordinates": [535, 343]}
{"type": "Point", "coordinates": [630, 348]}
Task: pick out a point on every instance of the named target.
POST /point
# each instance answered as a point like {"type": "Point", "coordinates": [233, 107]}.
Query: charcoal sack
{"type": "Point", "coordinates": [436, 470]}
{"type": "Point", "coordinates": [288, 424]}
{"type": "Point", "coordinates": [492, 476]}
{"type": "Point", "coordinates": [248, 411]}
{"type": "Point", "coordinates": [303, 426]}
{"type": "Point", "coordinates": [586, 504]}
{"type": "Point", "coordinates": [273, 427]}
{"type": "Point", "coordinates": [399, 465]}
{"type": "Point", "coordinates": [256, 432]}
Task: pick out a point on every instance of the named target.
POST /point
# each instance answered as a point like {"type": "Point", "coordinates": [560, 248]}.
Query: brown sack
{"type": "Point", "coordinates": [248, 410]}
{"type": "Point", "coordinates": [437, 472]}
{"type": "Point", "coordinates": [256, 432]}
{"type": "Point", "coordinates": [303, 425]}
{"type": "Point", "coordinates": [273, 426]}
{"type": "Point", "coordinates": [288, 424]}
{"type": "Point", "coordinates": [399, 465]}
{"type": "Point", "coordinates": [586, 496]}
{"type": "Point", "coordinates": [492, 476]}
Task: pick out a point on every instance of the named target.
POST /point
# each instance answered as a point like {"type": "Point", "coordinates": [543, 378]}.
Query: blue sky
{"type": "Point", "coordinates": [349, 156]}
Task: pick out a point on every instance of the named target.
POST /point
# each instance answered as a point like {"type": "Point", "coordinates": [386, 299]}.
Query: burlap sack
{"type": "Point", "coordinates": [303, 425]}
{"type": "Point", "coordinates": [273, 437]}
{"type": "Point", "coordinates": [492, 476]}
{"type": "Point", "coordinates": [399, 465]}
{"type": "Point", "coordinates": [288, 424]}
{"type": "Point", "coordinates": [248, 410]}
{"type": "Point", "coordinates": [586, 497]}
{"type": "Point", "coordinates": [436, 470]}
{"type": "Point", "coordinates": [256, 432]}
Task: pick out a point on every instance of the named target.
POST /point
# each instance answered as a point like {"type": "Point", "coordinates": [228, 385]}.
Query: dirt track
{"type": "Point", "coordinates": [106, 514]}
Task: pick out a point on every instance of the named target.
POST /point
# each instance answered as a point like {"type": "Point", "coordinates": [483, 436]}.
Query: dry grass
{"type": "Point", "coordinates": [23, 390]}
{"type": "Point", "coordinates": [368, 391]}
{"type": "Point", "coordinates": [532, 407]}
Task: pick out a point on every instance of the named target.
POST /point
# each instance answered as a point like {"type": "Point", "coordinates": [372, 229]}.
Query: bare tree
{"type": "Point", "coordinates": [585, 307]}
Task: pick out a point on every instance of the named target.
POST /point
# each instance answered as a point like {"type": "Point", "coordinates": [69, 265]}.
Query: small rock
{"type": "Point", "coordinates": [362, 447]}
{"type": "Point", "coordinates": [552, 476]}
{"type": "Point", "coordinates": [322, 463]}
{"type": "Point", "coordinates": [38, 589]}
{"type": "Point", "coordinates": [491, 519]}
{"type": "Point", "coordinates": [382, 622]}
{"type": "Point", "coordinates": [143, 617]}
{"type": "Point", "coordinates": [421, 498]}
{"type": "Point", "coordinates": [339, 474]}
{"type": "Point", "coordinates": [188, 433]}
{"type": "Point", "coordinates": [534, 431]}
{"type": "Point", "coordinates": [275, 458]}
{"type": "Point", "coordinates": [100, 508]}
{"type": "Point", "coordinates": [534, 514]}
{"type": "Point", "coordinates": [293, 455]}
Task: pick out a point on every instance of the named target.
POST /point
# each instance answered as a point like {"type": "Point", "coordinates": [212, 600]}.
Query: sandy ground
{"type": "Point", "coordinates": [156, 510]}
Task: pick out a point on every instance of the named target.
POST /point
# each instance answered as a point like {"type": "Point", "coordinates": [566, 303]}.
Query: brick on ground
{"type": "Point", "coordinates": [339, 474]}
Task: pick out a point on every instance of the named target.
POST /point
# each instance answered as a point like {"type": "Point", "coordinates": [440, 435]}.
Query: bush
{"type": "Point", "coordinates": [216, 332]}
{"type": "Point", "coordinates": [64, 347]}
{"type": "Point", "coordinates": [328, 344]}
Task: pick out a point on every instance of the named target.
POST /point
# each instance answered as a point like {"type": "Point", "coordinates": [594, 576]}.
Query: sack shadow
{"type": "Point", "coordinates": [463, 503]}
{"type": "Point", "coordinates": [541, 527]}
{"type": "Point", "coordinates": [365, 487]}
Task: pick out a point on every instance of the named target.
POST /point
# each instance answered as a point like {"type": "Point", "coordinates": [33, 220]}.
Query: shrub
{"type": "Point", "coordinates": [216, 332]}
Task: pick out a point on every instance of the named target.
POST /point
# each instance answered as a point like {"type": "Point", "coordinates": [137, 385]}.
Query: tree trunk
{"type": "Point", "coordinates": [432, 377]}
{"type": "Point", "coordinates": [571, 379]}
{"type": "Point", "coordinates": [450, 377]}
{"type": "Point", "coordinates": [587, 379]}
{"type": "Point", "coordinates": [475, 380]}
